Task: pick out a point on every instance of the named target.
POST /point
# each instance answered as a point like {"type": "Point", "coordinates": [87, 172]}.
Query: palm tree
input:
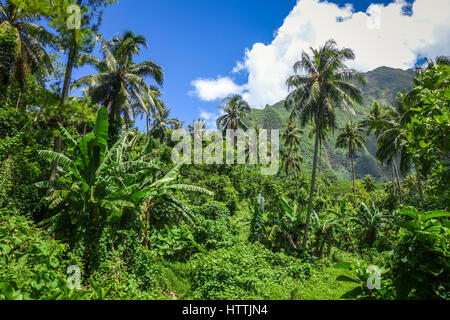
{"type": "Point", "coordinates": [149, 105]}
{"type": "Point", "coordinates": [369, 184]}
{"type": "Point", "coordinates": [327, 84]}
{"type": "Point", "coordinates": [292, 162]}
{"type": "Point", "coordinates": [161, 121]}
{"type": "Point", "coordinates": [352, 138]}
{"type": "Point", "coordinates": [119, 80]}
{"type": "Point", "coordinates": [235, 110]}
{"type": "Point", "coordinates": [178, 124]}
{"type": "Point", "coordinates": [322, 138]}
{"type": "Point", "coordinates": [291, 154]}
{"type": "Point", "coordinates": [376, 120]}
{"type": "Point", "coordinates": [199, 123]}
{"type": "Point", "coordinates": [292, 135]}
{"type": "Point", "coordinates": [31, 39]}
{"type": "Point", "coordinates": [392, 142]}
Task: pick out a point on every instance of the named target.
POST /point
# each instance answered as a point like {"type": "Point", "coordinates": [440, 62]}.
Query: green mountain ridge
{"type": "Point", "coordinates": [382, 84]}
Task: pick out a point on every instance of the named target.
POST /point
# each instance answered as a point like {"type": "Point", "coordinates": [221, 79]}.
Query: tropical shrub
{"type": "Point", "coordinates": [421, 261]}
{"type": "Point", "coordinates": [214, 210]}
{"type": "Point", "coordinates": [31, 263]}
{"type": "Point", "coordinates": [246, 271]}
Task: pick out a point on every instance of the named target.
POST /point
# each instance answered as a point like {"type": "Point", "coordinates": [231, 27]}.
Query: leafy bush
{"type": "Point", "coordinates": [223, 191]}
{"type": "Point", "coordinates": [173, 243]}
{"type": "Point", "coordinates": [214, 210]}
{"type": "Point", "coordinates": [157, 277]}
{"type": "Point", "coordinates": [214, 234]}
{"type": "Point", "coordinates": [31, 263]}
{"type": "Point", "coordinates": [363, 275]}
{"type": "Point", "coordinates": [246, 272]}
{"type": "Point", "coordinates": [421, 260]}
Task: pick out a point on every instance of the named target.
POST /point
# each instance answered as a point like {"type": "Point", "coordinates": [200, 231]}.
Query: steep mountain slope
{"type": "Point", "coordinates": [383, 84]}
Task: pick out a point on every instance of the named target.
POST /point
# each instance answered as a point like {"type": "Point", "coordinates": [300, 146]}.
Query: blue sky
{"type": "Point", "coordinates": [204, 40]}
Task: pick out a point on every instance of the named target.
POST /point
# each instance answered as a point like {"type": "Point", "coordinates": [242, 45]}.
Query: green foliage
{"type": "Point", "coordinates": [363, 275]}
{"type": "Point", "coordinates": [420, 264]}
{"type": "Point", "coordinates": [105, 186]}
{"type": "Point", "coordinates": [215, 234]}
{"type": "Point", "coordinates": [223, 191]}
{"type": "Point", "coordinates": [428, 129]}
{"type": "Point", "coordinates": [257, 230]}
{"type": "Point", "coordinates": [214, 210]}
{"type": "Point", "coordinates": [30, 261]}
{"type": "Point", "coordinates": [173, 243]}
{"type": "Point", "coordinates": [371, 222]}
{"type": "Point", "coordinates": [246, 271]}
{"type": "Point", "coordinates": [8, 47]}
{"type": "Point", "coordinates": [125, 215]}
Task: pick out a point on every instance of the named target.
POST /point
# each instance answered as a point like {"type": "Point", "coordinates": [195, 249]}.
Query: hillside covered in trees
{"type": "Point", "coordinates": [382, 86]}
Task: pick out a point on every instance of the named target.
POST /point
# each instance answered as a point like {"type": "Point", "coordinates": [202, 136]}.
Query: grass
{"type": "Point", "coordinates": [324, 286]}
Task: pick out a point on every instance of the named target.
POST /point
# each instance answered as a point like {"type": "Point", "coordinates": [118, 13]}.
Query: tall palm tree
{"type": "Point", "coordinates": [322, 138]}
{"type": "Point", "coordinates": [327, 84]}
{"type": "Point", "coordinates": [31, 39]}
{"type": "Point", "coordinates": [119, 80]}
{"type": "Point", "coordinates": [352, 138]}
{"type": "Point", "coordinates": [235, 111]}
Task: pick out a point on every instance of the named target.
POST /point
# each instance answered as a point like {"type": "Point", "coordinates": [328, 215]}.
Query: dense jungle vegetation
{"type": "Point", "coordinates": [81, 185]}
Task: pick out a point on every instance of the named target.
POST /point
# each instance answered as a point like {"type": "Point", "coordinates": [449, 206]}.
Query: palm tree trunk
{"type": "Point", "coordinates": [311, 193]}
{"type": "Point", "coordinates": [419, 180]}
{"type": "Point", "coordinates": [65, 95]}
{"type": "Point", "coordinates": [398, 182]}
{"type": "Point", "coordinates": [393, 179]}
{"type": "Point", "coordinates": [354, 178]}
{"type": "Point", "coordinates": [18, 100]}
{"type": "Point", "coordinates": [320, 168]}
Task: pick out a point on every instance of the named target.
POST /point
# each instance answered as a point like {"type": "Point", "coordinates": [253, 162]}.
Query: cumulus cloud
{"type": "Point", "coordinates": [213, 89]}
{"type": "Point", "coordinates": [392, 35]}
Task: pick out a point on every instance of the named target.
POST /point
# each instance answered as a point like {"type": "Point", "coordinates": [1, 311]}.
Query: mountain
{"type": "Point", "coordinates": [383, 85]}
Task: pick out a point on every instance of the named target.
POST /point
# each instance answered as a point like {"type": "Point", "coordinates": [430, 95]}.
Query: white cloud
{"type": "Point", "coordinates": [210, 118]}
{"type": "Point", "coordinates": [239, 67]}
{"type": "Point", "coordinates": [213, 89]}
{"type": "Point", "coordinates": [381, 36]}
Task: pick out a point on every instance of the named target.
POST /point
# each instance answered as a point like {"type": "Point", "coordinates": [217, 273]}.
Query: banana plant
{"type": "Point", "coordinates": [257, 223]}
{"type": "Point", "coordinates": [291, 221]}
{"type": "Point", "coordinates": [101, 184]}
{"type": "Point", "coordinates": [371, 221]}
